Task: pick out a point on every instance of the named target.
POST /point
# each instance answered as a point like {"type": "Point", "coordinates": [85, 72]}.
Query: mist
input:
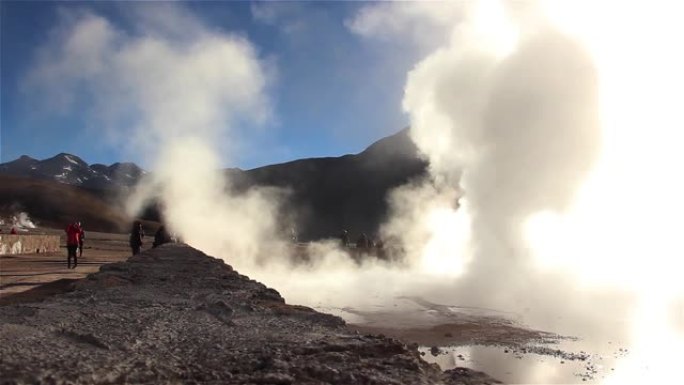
{"type": "Point", "coordinates": [22, 220]}
{"type": "Point", "coordinates": [565, 175]}
{"type": "Point", "coordinates": [521, 113]}
{"type": "Point", "coordinates": [176, 93]}
{"type": "Point", "coordinates": [180, 93]}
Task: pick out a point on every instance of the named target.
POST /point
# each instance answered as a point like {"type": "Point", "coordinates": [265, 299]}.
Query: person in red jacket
{"type": "Point", "coordinates": [73, 238]}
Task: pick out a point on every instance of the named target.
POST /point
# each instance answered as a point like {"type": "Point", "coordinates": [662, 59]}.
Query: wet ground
{"type": "Point", "coordinates": [175, 315]}
{"type": "Point", "coordinates": [501, 344]}
{"type": "Point", "coordinates": [561, 363]}
{"type": "Point", "coordinates": [495, 342]}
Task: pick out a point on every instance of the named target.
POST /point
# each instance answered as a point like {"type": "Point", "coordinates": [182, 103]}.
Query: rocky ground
{"type": "Point", "coordinates": [175, 315]}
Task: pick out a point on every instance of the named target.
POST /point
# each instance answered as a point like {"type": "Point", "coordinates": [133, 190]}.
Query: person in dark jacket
{"type": "Point", "coordinates": [81, 238]}
{"type": "Point", "coordinates": [137, 235]}
{"type": "Point", "coordinates": [72, 234]}
{"type": "Point", "coordinates": [362, 242]}
{"type": "Point", "coordinates": [344, 238]}
{"type": "Point", "coordinates": [161, 237]}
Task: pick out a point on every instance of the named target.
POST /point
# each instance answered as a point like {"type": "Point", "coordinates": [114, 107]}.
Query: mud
{"type": "Point", "coordinates": [496, 342]}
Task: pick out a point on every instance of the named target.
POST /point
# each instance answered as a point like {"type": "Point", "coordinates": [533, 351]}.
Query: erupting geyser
{"type": "Point", "coordinates": [563, 120]}
{"type": "Point", "coordinates": [552, 131]}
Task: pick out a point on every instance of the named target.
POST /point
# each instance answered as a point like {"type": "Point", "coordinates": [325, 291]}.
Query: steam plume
{"type": "Point", "coordinates": [507, 112]}
{"type": "Point", "coordinates": [176, 91]}
{"type": "Point", "coordinates": [527, 103]}
{"type": "Point", "coordinates": [511, 121]}
{"type": "Point", "coordinates": [22, 220]}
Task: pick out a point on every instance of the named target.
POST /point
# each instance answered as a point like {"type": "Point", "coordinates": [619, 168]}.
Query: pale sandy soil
{"type": "Point", "coordinates": [26, 272]}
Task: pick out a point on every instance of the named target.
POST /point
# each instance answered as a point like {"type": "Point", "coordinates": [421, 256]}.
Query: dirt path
{"type": "Point", "coordinates": [24, 273]}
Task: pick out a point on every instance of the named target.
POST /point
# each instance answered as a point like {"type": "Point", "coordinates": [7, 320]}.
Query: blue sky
{"type": "Point", "coordinates": [330, 91]}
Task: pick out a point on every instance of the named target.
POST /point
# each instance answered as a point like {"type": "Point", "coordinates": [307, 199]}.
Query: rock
{"type": "Point", "coordinates": [174, 315]}
{"type": "Point", "coordinates": [469, 377]}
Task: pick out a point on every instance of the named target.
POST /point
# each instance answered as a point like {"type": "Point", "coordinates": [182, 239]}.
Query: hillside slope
{"type": "Point", "coordinates": [347, 192]}
{"type": "Point", "coordinates": [55, 204]}
{"type": "Point", "coordinates": [326, 195]}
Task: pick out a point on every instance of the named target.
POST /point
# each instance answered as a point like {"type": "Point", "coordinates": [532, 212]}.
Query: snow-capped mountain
{"type": "Point", "coordinates": [72, 170]}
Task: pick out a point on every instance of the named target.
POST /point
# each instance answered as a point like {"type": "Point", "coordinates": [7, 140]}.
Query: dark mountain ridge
{"type": "Point", "coordinates": [52, 204]}
{"type": "Point", "coordinates": [349, 192]}
{"type": "Point", "coordinates": [325, 195]}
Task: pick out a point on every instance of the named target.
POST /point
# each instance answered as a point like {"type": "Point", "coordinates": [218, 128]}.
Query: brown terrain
{"type": "Point", "coordinates": [324, 195]}
{"type": "Point", "coordinates": [175, 315]}
{"type": "Point", "coordinates": [27, 276]}
{"type": "Point", "coordinates": [56, 204]}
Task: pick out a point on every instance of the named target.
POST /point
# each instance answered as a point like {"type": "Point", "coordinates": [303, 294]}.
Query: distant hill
{"type": "Point", "coordinates": [347, 192]}
{"type": "Point", "coordinates": [327, 194]}
{"type": "Point", "coordinates": [53, 204]}
{"type": "Point", "coordinates": [70, 169]}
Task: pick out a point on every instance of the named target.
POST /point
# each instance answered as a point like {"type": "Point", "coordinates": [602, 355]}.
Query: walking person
{"type": "Point", "coordinates": [72, 236]}
{"type": "Point", "coordinates": [137, 235]}
{"type": "Point", "coordinates": [161, 237]}
{"type": "Point", "coordinates": [344, 238]}
{"type": "Point", "coordinates": [81, 237]}
{"type": "Point", "coordinates": [362, 242]}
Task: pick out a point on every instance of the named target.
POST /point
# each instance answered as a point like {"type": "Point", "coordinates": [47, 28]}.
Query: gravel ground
{"type": "Point", "coordinates": [174, 315]}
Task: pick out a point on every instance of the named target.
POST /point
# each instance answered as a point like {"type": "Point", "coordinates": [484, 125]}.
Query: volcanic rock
{"type": "Point", "coordinates": [175, 315]}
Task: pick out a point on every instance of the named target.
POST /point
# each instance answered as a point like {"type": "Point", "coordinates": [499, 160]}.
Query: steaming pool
{"type": "Point", "coordinates": [535, 364]}
{"type": "Point", "coordinates": [500, 344]}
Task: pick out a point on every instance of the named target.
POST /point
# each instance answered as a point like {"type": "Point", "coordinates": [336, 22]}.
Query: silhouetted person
{"type": "Point", "coordinates": [293, 235]}
{"type": "Point", "coordinates": [73, 233]}
{"type": "Point", "coordinates": [137, 235]}
{"type": "Point", "coordinates": [362, 242]}
{"type": "Point", "coordinates": [81, 237]}
{"type": "Point", "coordinates": [161, 237]}
{"type": "Point", "coordinates": [13, 231]}
{"type": "Point", "coordinates": [344, 238]}
{"type": "Point", "coordinates": [380, 248]}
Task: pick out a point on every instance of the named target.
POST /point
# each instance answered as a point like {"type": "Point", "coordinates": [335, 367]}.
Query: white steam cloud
{"type": "Point", "coordinates": [532, 139]}
{"type": "Point", "coordinates": [408, 22]}
{"type": "Point", "coordinates": [176, 91]}
{"type": "Point", "coordinates": [22, 221]}
{"type": "Point", "coordinates": [168, 77]}
{"type": "Point", "coordinates": [508, 119]}
{"type": "Point", "coordinates": [558, 122]}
